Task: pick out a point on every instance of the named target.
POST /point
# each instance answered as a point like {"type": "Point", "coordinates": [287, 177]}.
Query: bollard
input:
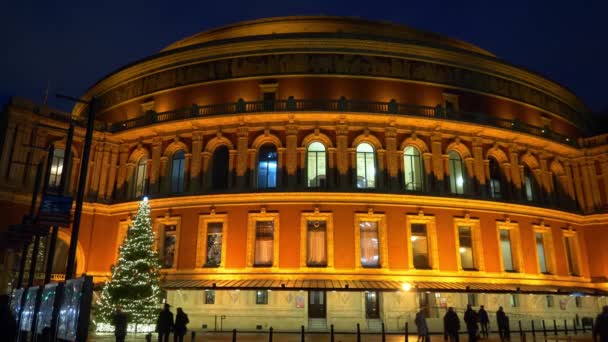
{"type": "Point", "coordinates": [270, 335]}
{"type": "Point", "coordinates": [544, 329]}
{"type": "Point", "coordinates": [332, 333]}
{"type": "Point", "coordinates": [566, 327]}
{"type": "Point", "coordinates": [193, 336]}
{"type": "Point", "coordinates": [149, 337]}
{"type": "Point", "coordinates": [574, 325]}
{"type": "Point", "coordinates": [555, 327]}
{"type": "Point", "coordinates": [533, 331]}
{"type": "Point", "coordinates": [358, 333]}
{"type": "Point", "coordinates": [383, 335]}
{"type": "Point", "coordinates": [407, 332]}
{"type": "Point", "coordinates": [302, 333]}
{"type": "Point", "coordinates": [233, 335]}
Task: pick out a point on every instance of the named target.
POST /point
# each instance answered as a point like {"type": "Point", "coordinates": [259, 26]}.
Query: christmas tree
{"type": "Point", "coordinates": [135, 278]}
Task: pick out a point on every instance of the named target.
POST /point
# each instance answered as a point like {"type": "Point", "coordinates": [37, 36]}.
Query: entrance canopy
{"type": "Point", "coordinates": [373, 285]}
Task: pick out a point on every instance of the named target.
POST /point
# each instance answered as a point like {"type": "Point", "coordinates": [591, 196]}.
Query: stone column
{"type": "Point", "coordinates": [302, 172]}
{"type": "Point", "coordinates": [253, 182]}
{"type": "Point", "coordinates": [380, 174]}
{"type": "Point", "coordinates": [332, 181]}
{"type": "Point", "coordinates": [471, 175]}
{"type": "Point", "coordinates": [105, 170]}
{"type": "Point", "coordinates": [281, 183]}
{"type": "Point", "coordinates": [587, 175]}
{"type": "Point", "coordinates": [242, 157]}
{"type": "Point", "coordinates": [578, 186]}
{"type": "Point", "coordinates": [516, 172]}
{"type": "Point", "coordinates": [595, 186]}
{"type": "Point", "coordinates": [428, 171]}
{"type": "Point", "coordinates": [392, 158]}
{"type": "Point", "coordinates": [17, 167]}
{"type": "Point", "coordinates": [342, 157]}
{"type": "Point", "coordinates": [164, 177]}
{"type": "Point", "coordinates": [195, 167]}
{"type": "Point", "coordinates": [121, 182]}
{"type": "Point", "coordinates": [481, 173]}
{"type": "Point", "coordinates": [438, 163]}
{"type": "Point", "coordinates": [232, 155]}
{"type": "Point", "coordinates": [8, 148]}
{"type": "Point", "coordinates": [291, 157]}
{"type": "Point", "coordinates": [154, 171]}
{"type": "Point", "coordinates": [97, 167]}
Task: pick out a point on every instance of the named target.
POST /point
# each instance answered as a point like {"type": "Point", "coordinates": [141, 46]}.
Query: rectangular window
{"type": "Point", "coordinates": [369, 244]}
{"type": "Point", "coordinates": [578, 301]}
{"type": "Point", "coordinates": [261, 297]}
{"type": "Point", "coordinates": [514, 300]}
{"type": "Point", "coordinates": [472, 299]}
{"type": "Point", "coordinates": [570, 255]}
{"type": "Point", "coordinates": [316, 240]}
{"type": "Point", "coordinates": [214, 244]}
{"type": "Point", "coordinates": [541, 253]}
{"type": "Point", "coordinates": [209, 297]}
{"type": "Point", "coordinates": [420, 246]}
{"type": "Point", "coordinates": [169, 242]}
{"type": "Point", "coordinates": [465, 239]}
{"type": "Point", "coordinates": [550, 302]}
{"type": "Point", "coordinates": [264, 241]}
{"type": "Point", "coordinates": [506, 250]}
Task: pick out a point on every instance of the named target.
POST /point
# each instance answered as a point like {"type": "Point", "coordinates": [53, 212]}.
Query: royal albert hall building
{"type": "Point", "coordinates": [327, 170]}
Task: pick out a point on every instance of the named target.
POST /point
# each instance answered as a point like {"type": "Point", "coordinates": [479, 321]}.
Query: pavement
{"type": "Point", "coordinates": [325, 337]}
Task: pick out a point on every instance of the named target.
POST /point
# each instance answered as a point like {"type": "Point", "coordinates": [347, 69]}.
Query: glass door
{"type": "Point", "coordinates": [316, 304]}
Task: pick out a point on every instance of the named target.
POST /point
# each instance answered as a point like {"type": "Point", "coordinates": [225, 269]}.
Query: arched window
{"type": "Point", "coordinates": [267, 166]}
{"type": "Point", "coordinates": [457, 173]}
{"type": "Point", "coordinates": [412, 169]}
{"type": "Point", "coordinates": [139, 177]}
{"type": "Point", "coordinates": [56, 168]}
{"type": "Point", "coordinates": [366, 166]}
{"type": "Point", "coordinates": [316, 165]}
{"type": "Point", "coordinates": [220, 172]}
{"type": "Point", "coordinates": [495, 182]}
{"type": "Point", "coordinates": [529, 185]}
{"type": "Point", "coordinates": [177, 171]}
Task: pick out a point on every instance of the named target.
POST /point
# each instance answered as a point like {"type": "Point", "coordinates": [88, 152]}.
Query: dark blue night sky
{"type": "Point", "coordinates": [73, 44]}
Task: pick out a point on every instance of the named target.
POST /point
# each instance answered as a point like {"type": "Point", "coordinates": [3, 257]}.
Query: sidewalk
{"type": "Point", "coordinates": [324, 337]}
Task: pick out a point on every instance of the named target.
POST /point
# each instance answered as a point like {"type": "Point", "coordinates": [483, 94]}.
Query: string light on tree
{"type": "Point", "coordinates": [135, 282]}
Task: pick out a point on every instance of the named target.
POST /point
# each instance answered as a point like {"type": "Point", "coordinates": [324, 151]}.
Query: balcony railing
{"type": "Point", "coordinates": [337, 105]}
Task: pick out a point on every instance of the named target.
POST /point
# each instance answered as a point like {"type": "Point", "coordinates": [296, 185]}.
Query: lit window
{"type": "Point", "coordinates": [261, 297]}
{"type": "Point", "coordinates": [316, 243]}
{"type": "Point", "coordinates": [541, 253]}
{"type": "Point", "coordinates": [550, 301]}
{"type": "Point", "coordinates": [514, 300]}
{"type": "Point", "coordinates": [465, 249]}
{"type": "Point", "coordinates": [267, 167]}
{"type": "Point", "coordinates": [457, 173]}
{"type": "Point", "coordinates": [369, 243]}
{"type": "Point", "coordinates": [412, 169]}
{"type": "Point", "coordinates": [506, 250]}
{"type": "Point", "coordinates": [420, 246]}
{"type": "Point", "coordinates": [177, 171]}
{"type": "Point", "coordinates": [139, 177]}
{"type": "Point", "coordinates": [316, 165]}
{"type": "Point", "coordinates": [264, 243]}
{"type": "Point", "coordinates": [494, 181]}
{"type": "Point", "coordinates": [529, 185]}
{"type": "Point", "coordinates": [220, 171]}
{"type": "Point", "coordinates": [571, 255]}
{"type": "Point", "coordinates": [472, 299]}
{"type": "Point", "coordinates": [214, 244]}
{"type": "Point", "coordinates": [209, 297]}
{"type": "Point", "coordinates": [56, 168]}
{"type": "Point", "coordinates": [578, 300]}
{"type": "Point", "coordinates": [169, 246]}
{"type": "Point", "coordinates": [366, 168]}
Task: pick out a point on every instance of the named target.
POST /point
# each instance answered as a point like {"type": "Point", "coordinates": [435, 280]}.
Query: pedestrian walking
{"type": "Point", "coordinates": [503, 324]}
{"type": "Point", "coordinates": [179, 329]}
{"type": "Point", "coordinates": [164, 324]}
{"type": "Point", "coordinates": [423, 330]}
{"type": "Point", "coordinates": [451, 325]}
{"type": "Point", "coordinates": [470, 318]}
{"type": "Point", "coordinates": [484, 320]}
{"type": "Point", "coordinates": [8, 324]}
{"type": "Point", "coordinates": [120, 321]}
{"type": "Point", "coordinates": [600, 328]}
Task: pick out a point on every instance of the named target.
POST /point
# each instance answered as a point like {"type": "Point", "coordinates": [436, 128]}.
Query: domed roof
{"type": "Point", "coordinates": [346, 26]}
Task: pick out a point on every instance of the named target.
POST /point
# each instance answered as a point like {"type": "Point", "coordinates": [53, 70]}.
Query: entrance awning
{"type": "Point", "coordinates": [371, 285]}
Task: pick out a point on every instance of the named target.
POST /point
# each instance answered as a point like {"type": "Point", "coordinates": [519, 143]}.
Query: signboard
{"type": "Point", "coordinates": [49, 305]}
{"type": "Point", "coordinates": [74, 312]}
{"type": "Point", "coordinates": [55, 210]}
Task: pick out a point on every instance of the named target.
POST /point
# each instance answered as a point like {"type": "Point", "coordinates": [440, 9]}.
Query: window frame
{"type": "Point", "coordinates": [160, 224]}
{"type": "Point", "coordinates": [477, 245]}
{"type": "Point", "coordinates": [547, 235]}
{"type": "Point", "coordinates": [495, 167]}
{"type": "Point", "coordinates": [213, 295]}
{"type": "Point", "coordinates": [370, 216]}
{"type": "Point", "coordinates": [515, 240]}
{"type": "Point", "coordinates": [329, 238]}
{"type": "Point", "coordinates": [575, 251]}
{"type": "Point", "coordinates": [55, 178]}
{"type": "Point", "coordinates": [374, 162]}
{"type": "Point", "coordinates": [264, 298]}
{"type": "Point", "coordinates": [257, 167]}
{"type": "Point", "coordinates": [325, 158]}
{"type": "Point", "coordinates": [408, 158]}
{"type": "Point", "coordinates": [463, 173]}
{"type": "Point", "coordinates": [251, 238]}
{"type": "Point", "coordinates": [201, 240]}
{"type": "Point", "coordinates": [181, 177]}
{"type": "Point", "coordinates": [431, 235]}
{"type": "Point", "coordinates": [135, 177]}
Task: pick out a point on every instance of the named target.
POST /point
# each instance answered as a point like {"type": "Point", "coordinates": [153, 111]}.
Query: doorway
{"type": "Point", "coordinates": [316, 304]}
{"type": "Point", "coordinates": [372, 304]}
